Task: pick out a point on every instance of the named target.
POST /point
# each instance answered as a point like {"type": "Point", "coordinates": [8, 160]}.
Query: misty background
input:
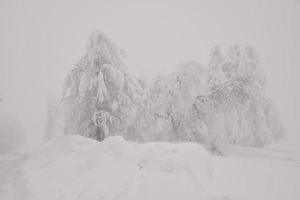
{"type": "Point", "coordinates": [42, 40]}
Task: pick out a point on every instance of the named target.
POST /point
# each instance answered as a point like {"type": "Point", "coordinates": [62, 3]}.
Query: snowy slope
{"type": "Point", "coordinates": [79, 168]}
{"type": "Point", "coordinates": [255, 179]}
{"type": "Point", "coordinates": [74, 167]}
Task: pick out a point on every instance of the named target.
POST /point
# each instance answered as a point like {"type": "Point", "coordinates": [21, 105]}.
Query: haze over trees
{"type": "Point", "coordinates": [10, 131]}
{"type": "Point", "coordinates": [221, 103]}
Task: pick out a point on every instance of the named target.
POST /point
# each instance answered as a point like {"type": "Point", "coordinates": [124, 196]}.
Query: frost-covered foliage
{"type": "Point", "coordinates": [168, 103]}
{"type": "Point", "coordinates": [99, 94]}
{"type": "Point", "coordinates": [240, 112]}
{"type": "Point", "coordinates": [224, 102]}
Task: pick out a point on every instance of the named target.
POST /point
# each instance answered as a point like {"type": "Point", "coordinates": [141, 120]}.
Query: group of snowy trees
{"type": "Point", "coordinates": [223, 102]}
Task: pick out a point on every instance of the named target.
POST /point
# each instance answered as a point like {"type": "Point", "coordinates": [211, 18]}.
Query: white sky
{"type": "Point", "coordinates": [40, 41]}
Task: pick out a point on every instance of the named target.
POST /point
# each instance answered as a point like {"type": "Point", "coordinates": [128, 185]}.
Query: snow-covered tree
{"type": "Point", "coordinates": [99, 85]}
{"type": "Point", "coordinates": [169, 100]}
{"type": "Point", "coordinates": [237, 93]}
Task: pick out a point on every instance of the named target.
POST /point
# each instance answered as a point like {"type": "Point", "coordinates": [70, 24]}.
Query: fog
{"type": "Point", "coordinates": [42, 40]}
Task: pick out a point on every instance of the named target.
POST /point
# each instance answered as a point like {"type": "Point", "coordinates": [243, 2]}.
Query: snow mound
{"type": "Point", "coordinates": [78, 168]}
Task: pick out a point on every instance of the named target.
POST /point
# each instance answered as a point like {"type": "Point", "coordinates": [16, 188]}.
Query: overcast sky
{"type": "Point", "coordinates": [40, 41]}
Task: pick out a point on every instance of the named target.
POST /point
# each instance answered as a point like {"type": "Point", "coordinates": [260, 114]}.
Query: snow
{"type": "Point", "coordinates": [73, 167]}
{"type": "Point", "coordinates": [256, 178]}
{"type": "Point", "coordinates": [257, 173]}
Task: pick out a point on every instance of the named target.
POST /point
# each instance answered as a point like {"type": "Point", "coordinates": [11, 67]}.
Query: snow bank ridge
{"type": "Point", "coordinates": [75, 167]}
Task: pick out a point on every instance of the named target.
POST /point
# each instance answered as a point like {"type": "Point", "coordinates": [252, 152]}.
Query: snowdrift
{"type": "Point", "coordinates": [79, 168]}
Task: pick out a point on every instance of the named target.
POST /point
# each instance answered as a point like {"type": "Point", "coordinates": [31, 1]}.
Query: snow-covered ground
{"type": "Point", "coordinates": [261, 174]}
{"type": "Point", "coordinates": [78, 168]}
